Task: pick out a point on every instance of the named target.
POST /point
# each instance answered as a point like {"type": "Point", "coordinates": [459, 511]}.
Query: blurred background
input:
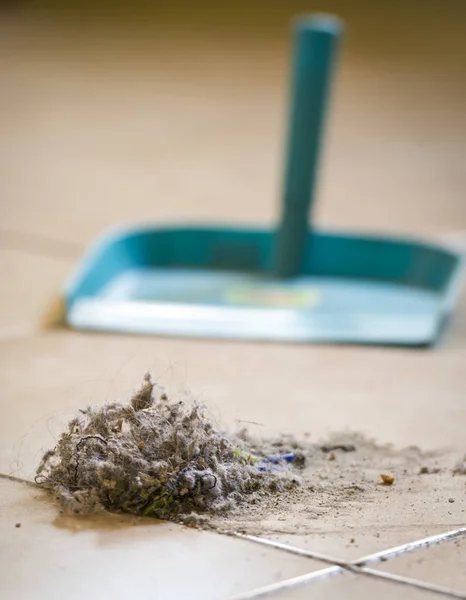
{"type": "Point", "coordinates": [115, 112]}
{"type": "Point", "coordinates": [177, 111]}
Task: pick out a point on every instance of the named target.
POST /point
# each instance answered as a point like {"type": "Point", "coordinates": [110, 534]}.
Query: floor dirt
{"type": "Point", "coordinates": [166, 458]}
{"type": "Point", "coordinates": [338, 484]}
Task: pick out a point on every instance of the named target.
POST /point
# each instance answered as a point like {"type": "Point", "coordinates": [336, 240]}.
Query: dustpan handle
{"type": "Point", "coordinates": [315, 45]}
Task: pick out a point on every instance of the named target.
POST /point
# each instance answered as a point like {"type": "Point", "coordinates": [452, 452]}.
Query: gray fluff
{"type": "Point", "coordinates": [154, 457]}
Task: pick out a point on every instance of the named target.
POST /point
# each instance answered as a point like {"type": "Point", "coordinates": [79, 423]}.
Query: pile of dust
{"type": "Point", "coordinates": [167, 459]}
{"type": "Point", "coordinates": [156, 457]}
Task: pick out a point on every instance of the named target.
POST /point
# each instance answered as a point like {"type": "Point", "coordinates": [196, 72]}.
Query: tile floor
{"type": "Point", "coordinates": [87, 143]}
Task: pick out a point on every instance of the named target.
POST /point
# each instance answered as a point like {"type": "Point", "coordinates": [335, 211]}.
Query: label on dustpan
{"type": "Point", "coordinates": [273, 297]}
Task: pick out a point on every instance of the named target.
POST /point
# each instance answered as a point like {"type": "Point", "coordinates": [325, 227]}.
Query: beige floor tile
{"type": "Point", "coordinates": [355, 542]}
{"type": "Point", "coordinates": [443, 565]}
{"type": "Point", "coordinates": [115, 557]}
{"type": "Point", "coordinates": [354, 587]}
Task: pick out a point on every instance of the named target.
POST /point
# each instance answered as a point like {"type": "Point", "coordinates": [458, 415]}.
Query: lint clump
{"type": "Point", "coordinates": [157, 457]}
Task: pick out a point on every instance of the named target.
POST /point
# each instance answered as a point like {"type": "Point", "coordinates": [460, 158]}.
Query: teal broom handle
{"type": "Point", "coordinates": [315, 44]}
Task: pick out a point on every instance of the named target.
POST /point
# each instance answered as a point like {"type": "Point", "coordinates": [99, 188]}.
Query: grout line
{"type": "Point", "coordinates": [412, 583]}
{"type": "Point", "coordinates": [400, 579]}
{"type": "Point", "coordinates": [366, 572]}
{"type": "Point", "coordinates": [285, 585]}
{"type": "Point", "coordinates": [18, 479]}
{"type": "Point", "coordinates": [410, 546]}
{"type": "Point", "coordinates": [357, 566]}
{"type": "Point", "coordinates": [17, 332]}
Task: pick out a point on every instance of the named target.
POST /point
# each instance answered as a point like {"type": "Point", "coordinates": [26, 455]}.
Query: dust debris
{"type": "Point", "coordinates": [156, 457]}
{"type": "Point", "coordinates": [387, 479]}
{"type": "Point", "coordinates": [429, 470]}
{"type": "Point", "coordinates": [163, 456]}
{"type": "Point", "coordinates": [342, 447]}
{"type": "Point", "coordinates": [18, 525]}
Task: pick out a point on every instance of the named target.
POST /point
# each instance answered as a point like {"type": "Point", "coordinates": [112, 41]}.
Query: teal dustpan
{"type": "Point", "coordinates": [294, 284]}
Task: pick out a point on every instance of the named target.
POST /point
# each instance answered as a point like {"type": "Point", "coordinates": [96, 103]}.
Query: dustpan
{"type": "Point", "coordinates": [295, 284]}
